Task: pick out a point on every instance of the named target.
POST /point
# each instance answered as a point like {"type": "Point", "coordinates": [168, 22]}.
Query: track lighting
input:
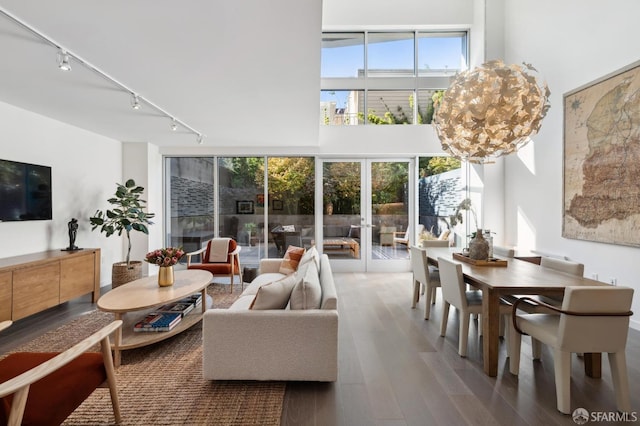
{"type": "Point", "coordinates": [135, 102]}
{"type": "Point", "coordinates": [63, 60]}
{"type": "Point", "coordinates": [64, 64]}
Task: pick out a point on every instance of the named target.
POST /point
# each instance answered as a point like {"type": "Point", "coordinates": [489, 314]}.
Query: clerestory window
{"type": "Point", "coordinates": [375, 77]}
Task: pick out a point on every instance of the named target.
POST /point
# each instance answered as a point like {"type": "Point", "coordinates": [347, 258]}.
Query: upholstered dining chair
{"type": "Point", "coordinates": [504, 251]}
{"type": "Point", "coordinates": [591, 319]}
{"type": "Point", "coordinates": [42, 388]}
{"type": "Point", "coordinates": [221, 256]}
{"type": "Point", "coordinates": [467, 302]}
{"type": "Point", "coordinates": [423, 276]}
{"type": "Point", "coordinates": [562, 265]}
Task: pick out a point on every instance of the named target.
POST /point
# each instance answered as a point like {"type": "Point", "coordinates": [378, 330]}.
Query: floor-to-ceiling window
{"type": "Point", "coordinates": [189, 211]}
{"type": "Point", "coordinates": [264, 203]}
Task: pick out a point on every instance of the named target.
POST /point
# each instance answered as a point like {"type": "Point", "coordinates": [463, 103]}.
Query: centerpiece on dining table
{"type": "Point", "coordinates": [165, 258]}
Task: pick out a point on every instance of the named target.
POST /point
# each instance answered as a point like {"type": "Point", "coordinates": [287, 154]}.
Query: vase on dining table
{"type": "Point", "coordinates": [165, 276]}
{"type": "Point", "coordinates": [479, 247]}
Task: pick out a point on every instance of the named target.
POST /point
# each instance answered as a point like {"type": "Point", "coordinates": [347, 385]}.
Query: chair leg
{"type": "Point", "coordinates": [422, 288]}
{"type": "Point", "coordinates": [445, 318]}
{"type": "Point", "coordinates": [536, 348]}
{"type": "Point", "coordinates": [618, 365]}
{"type": "Point", "coordinates": [515, 341]}
{"type": "Point", "coordinates": [427, 301]}
{"type": "Point", "coordinates": [433, 295]}
{"type": "Point", "coordinates": [464, 333]}
{"type": "Point", "coordinates": [562, 367]}
{"type": "Point", "coordinates": [105, 347]}
{"type": "Point", "coordinates": [416, 293]}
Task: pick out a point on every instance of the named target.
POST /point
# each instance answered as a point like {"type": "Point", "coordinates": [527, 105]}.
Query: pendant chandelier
{"type": "Point", "coordinates": [491, 111]}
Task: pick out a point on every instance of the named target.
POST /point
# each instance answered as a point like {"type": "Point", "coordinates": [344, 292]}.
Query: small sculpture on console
{"type": "Point", "coordinates": [73, 231]}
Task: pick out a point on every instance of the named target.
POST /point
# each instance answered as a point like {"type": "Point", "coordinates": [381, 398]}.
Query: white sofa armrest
{"type": "Point", "coordinates": [269, 266]}
{"type": "Point", "coordinates": [270, 345]}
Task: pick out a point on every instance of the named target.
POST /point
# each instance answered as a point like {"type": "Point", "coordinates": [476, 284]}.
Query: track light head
{"type": "Point", "coordinates": [200, 139]}
{"type": "Point", "coordinates": [174, 125]}
{"type": "Point", "coordinates": [63, 60]}
{"type": "Point", "coordinates": [135, 102]}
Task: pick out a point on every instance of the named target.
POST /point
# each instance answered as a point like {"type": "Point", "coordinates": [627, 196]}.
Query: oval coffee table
{"type": "Point", "coordinates": [132, 301]}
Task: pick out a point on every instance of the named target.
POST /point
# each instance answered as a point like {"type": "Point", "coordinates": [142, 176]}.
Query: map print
{"type": "Point", "coordinates": [602, 160]}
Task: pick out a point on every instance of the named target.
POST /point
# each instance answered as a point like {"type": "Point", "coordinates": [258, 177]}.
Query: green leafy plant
{"type": "Point", "coordinates": [127, 216]}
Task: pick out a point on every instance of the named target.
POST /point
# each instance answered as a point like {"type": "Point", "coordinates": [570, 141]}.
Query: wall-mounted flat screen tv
{"type": "Point", "coordinates": [25, 191]}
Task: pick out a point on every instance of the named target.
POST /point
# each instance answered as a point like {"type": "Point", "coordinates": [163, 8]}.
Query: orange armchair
{"type": "Point", "coordinates": [45, 388]}
{"type": "Point", "coordinates": [213, 261]}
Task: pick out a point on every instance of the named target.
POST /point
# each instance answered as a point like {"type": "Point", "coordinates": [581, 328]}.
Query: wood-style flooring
{"type": "Point", "coordinates": [395, 369]}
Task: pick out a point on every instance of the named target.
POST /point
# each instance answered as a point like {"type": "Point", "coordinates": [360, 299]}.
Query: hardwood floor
{"type": "Point", "coordinates": [395, 369]}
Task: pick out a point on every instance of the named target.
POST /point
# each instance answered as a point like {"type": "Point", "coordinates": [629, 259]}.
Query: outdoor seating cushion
{"type": "Point", "coordinates": [53, 398]}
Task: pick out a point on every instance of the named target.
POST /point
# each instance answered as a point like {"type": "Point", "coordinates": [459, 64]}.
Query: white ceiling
{"type": "Point", "coordinates": [243, 73]}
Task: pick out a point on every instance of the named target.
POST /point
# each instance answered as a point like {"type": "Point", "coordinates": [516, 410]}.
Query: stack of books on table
{"type": "Point", "coordinates": [158, 321]}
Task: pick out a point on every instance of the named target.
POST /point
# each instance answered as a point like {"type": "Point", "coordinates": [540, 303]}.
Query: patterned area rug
{"type": "Point", "coordinates": [162, 384]}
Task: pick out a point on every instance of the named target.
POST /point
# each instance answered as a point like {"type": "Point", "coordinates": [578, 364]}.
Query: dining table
{"type": "Point", "coordinates": [517, 277]}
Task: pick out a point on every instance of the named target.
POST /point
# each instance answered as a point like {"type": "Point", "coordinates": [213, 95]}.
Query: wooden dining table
{"type": "Point", "coordinates": [519, 277]}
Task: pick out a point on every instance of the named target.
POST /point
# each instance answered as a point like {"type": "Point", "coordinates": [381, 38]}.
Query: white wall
{"type": "Point", "coordinates": [85, 168]}
{"type": "Point", "coordinates": [570, 43]}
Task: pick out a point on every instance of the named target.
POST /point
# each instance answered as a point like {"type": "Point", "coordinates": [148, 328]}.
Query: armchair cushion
{"type": "Point", "coordinates": [53, 398]}
{"type": "Point", "coordinates": [291, 260]}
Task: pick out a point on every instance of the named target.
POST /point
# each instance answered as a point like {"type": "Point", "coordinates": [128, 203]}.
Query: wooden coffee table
{"type": "Point", "coordinates": [132, 301]}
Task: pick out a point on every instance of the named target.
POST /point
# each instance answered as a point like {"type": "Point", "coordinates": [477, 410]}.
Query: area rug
{"type": "Point", "coordinates": [162, 384]}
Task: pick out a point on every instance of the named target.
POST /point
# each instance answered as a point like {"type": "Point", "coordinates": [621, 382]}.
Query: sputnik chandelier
{"type": "Point", "coordinates": [491, 111]}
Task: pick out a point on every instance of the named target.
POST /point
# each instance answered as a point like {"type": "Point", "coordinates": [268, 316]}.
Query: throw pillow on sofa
{"type": "Point", "coordinates": [291, 259]}
{"type": "Point", "coordinates": [309, 255]}
{"type": "Point", "coordinates": [275, 295]}
{"type": "Point", "coordinates": [307, 293]}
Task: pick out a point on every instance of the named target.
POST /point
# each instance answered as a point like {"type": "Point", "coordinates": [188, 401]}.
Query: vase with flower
{"type": "Point", "coordinates": [165, 258]}
{"type": "Point", "coordinates": [478, 245]}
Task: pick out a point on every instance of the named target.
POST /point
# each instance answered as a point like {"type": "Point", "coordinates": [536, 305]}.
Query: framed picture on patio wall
{"type": "Point", "coordinates": [244, 207]}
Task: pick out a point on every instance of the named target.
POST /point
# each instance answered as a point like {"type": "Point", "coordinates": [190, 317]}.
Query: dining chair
{"type": "Point", "coordinates": [504, 251]}
{"type": "Point", "coordinates": [424, 277]}
{"type": "Point", "coordinates": [221, 256]}
{"type": "Point", "coordinates": [562, 265]}
{"type": "Point", "coordinates": [591, 319]}
{"type": "Point", "coordinates": [44, 388]}
{"type": "Point", "coordinates": [434, 243]}
{"type": "Point", "coordinates": [467, 302]}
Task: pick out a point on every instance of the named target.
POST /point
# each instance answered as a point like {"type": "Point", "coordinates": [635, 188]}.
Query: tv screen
{"type": "Point", "coordinates": [25, 191]}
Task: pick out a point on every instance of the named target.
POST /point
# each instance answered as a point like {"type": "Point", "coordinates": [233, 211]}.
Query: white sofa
{"type": "Point", "coordinates": [240, 343]}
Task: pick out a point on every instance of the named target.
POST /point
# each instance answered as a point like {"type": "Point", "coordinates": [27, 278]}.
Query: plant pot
{"type": "Point", "coordinates": [122, 274]}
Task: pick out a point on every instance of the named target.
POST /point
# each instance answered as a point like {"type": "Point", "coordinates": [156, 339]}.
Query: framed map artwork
{"type": "Point", "coordinates": [601, 195]}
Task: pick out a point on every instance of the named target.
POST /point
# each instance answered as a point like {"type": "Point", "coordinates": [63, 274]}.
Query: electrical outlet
{"type": "Point", "coordinates": [594, 277]}
{"type": "Point", "coordinates": [613, 281]}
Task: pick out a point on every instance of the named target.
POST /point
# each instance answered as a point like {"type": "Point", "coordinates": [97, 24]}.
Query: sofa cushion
{"type": "Point", "coordinates": [309, 255]}
{"type": "Point", "coordinates": [307, 293]}
{"type": "Point", "coordinates": [243, 302]}
{"type": "Point", "coordinates": [275, 295]}
{"type": "Point", "coordinates": [291, 259]}
{"type": "Point", "coordinates": [261, 280]}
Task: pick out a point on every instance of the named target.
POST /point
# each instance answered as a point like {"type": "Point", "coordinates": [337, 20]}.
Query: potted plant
{"type": "Point", "coordinates": [127, 215]}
